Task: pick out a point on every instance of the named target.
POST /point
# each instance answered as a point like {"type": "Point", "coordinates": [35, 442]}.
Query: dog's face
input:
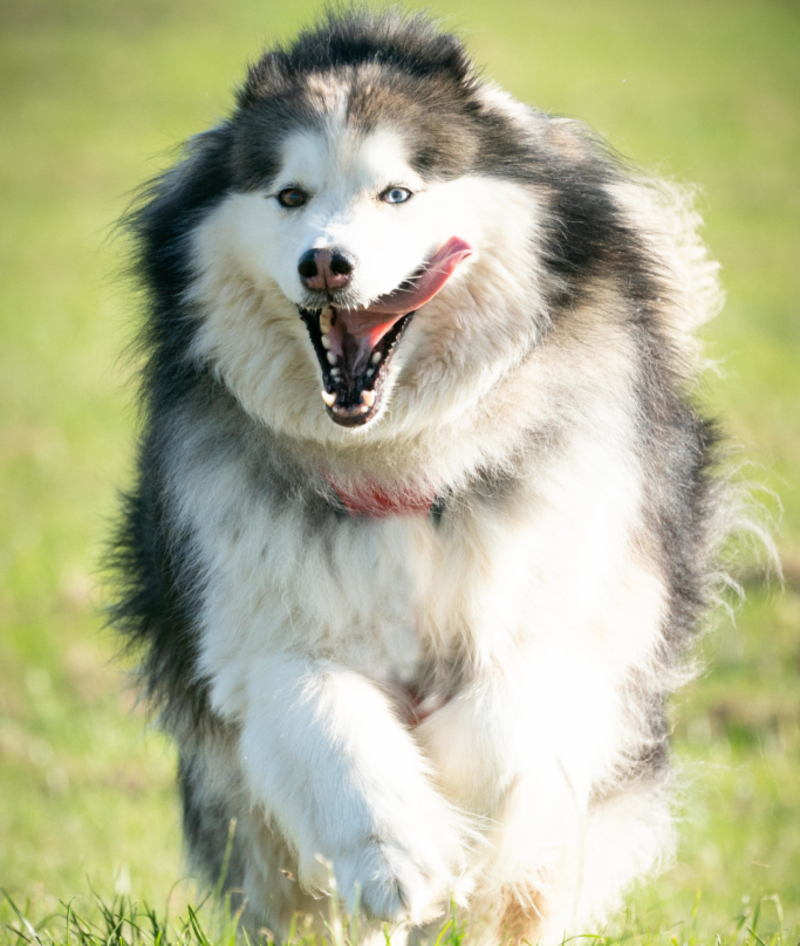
{"type": "Point", "coordinates": [353, 237]}
{"type": "Point", "coordinates": [357, 197]}
{"type": "Point", "coordinates": [359, 241]}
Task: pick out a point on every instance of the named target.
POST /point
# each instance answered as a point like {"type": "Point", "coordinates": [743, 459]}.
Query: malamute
{"type": "Point", "coordinates": [424, 514]}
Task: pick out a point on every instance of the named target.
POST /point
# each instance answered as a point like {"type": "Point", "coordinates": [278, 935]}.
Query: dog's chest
{"type": "Point", "coordinates": [391, 630]}
{"type": "Point", "coordinates": [295, 578]}
{"type": "Point", "coordinates": [386, 571]}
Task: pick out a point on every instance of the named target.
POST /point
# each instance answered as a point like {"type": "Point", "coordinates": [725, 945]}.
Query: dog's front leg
{"type": "Point", "coordinates": [345, 782]}
{"type": "Point", "coordinates": [521, 745]}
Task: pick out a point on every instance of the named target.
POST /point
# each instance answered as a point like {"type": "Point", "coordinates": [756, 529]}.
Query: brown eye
{"type": "Point", "coordinates": [292, 197]}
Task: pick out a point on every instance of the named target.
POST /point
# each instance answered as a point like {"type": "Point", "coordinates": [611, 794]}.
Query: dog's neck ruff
{"type": "Point", "coordinates": [371, 501]}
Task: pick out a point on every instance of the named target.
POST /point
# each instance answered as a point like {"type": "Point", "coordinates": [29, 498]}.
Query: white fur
{"type": "Point", "coordinates": [247, 251]}
{"type": "Point", "coordinates": [532, 617]}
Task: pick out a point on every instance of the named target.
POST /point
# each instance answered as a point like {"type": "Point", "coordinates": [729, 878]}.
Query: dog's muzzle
{"type": "Point", "coordinates": [355, 346]}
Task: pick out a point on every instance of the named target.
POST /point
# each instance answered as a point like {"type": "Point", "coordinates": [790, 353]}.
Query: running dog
{"type": "Point", "coordinates": [425, 513]}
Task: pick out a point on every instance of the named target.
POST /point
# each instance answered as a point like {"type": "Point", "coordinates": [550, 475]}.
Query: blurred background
{"type": "Point", "coordinates": [94, 97]}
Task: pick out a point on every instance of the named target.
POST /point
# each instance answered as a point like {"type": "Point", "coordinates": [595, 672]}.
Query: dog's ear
{"type": "Point", "coordinates": [450, 56]}
{"type": "Point", "coordinates": [264, 78]}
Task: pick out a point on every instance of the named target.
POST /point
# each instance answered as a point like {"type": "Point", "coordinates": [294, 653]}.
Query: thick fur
{"type": "Point", "coordinates": [539, 614]}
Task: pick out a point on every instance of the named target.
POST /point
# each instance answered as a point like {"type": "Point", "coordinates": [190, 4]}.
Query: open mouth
{"type": "Point", "coordinates": [355, 346]}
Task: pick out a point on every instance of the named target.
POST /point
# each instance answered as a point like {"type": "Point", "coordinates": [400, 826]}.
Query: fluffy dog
{"type": "Point", "coordinates": [424, 515]}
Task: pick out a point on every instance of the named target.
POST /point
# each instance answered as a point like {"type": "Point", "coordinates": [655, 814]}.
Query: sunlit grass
{"type": "Point", "coordinates": [122, 921]}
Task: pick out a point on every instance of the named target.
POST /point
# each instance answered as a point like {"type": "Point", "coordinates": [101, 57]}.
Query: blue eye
{"type": "Point", "coordinates": [395, 195]}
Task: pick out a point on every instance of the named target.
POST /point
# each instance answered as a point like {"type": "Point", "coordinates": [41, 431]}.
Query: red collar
{"type": "Point", "coordinates": [370, 501]}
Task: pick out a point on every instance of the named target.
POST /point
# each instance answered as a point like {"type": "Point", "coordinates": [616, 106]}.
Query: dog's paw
{"type": "Point", "coordinates": [394, 879]}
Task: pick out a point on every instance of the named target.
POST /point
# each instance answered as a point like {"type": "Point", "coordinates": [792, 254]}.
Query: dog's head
{"type": "Point", "coordinates": [367, 230]}
{"type": "Point", "coordinates": [358, 240]}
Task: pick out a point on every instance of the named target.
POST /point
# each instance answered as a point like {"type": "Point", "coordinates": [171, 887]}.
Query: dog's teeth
{"type": "Point", "coordinates": [371, 373]}
{"type": "Point", "coordinates": [368, 397]}
{"type": "Point", "coordinates": [376, 357]}
{"type": "Point", "coordinates": [331, 358]}
{"type": "Point", "coordinates": [363, 409]}
{"type": "Point", "coordinates": [329, 399]}
{"type": "Point", "coordinates": [325, 322]}
{"type": "Point", "coordinates": [326, 341]}
{"type": "Point", "coordinates": [335, 372]}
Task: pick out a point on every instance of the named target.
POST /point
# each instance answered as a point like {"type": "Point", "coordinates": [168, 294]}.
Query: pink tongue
{"type": "Point", "coordinates": [371, 324]}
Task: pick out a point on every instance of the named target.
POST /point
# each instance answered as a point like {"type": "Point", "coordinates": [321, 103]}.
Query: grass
{"type": "Point", "coordinates": [93, 93]}
{"type": "Point", "coordinates": [124, 922]}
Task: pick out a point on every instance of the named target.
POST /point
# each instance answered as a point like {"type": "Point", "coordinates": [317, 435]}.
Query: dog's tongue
{"type": "Point", "coordinates": [371, 323]}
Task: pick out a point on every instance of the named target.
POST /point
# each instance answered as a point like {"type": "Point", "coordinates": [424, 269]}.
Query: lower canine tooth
{"type": "Point", "coordinates": [368, 397]}
{"type": "Point", "coordinates": [329, 399]}
{"type": "Point", "coordinates": [326, 341]}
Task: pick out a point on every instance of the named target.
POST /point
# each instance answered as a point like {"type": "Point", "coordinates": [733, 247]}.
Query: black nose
{"type": "Point", "coordinates": [326, 269]}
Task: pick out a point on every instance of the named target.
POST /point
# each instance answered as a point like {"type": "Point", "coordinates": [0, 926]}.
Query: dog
{"type": "Point", "coordinates": [426, 515]}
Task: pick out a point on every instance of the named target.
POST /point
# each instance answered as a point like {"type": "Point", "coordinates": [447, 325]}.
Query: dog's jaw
{"type": "Point", "coordinates": [354, 346]}
{"type": "Point", "coordinates": [352, 380]}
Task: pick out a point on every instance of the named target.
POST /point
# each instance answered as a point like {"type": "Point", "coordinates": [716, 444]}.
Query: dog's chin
{"type": "Point", "coordinates": [355, 344]}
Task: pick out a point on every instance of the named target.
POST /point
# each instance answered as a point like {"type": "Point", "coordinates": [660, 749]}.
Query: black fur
{"type": "Point", "coordinates": [155, 610]}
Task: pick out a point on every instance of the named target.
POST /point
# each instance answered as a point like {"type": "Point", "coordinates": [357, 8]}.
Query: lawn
{"type": "Point", "coordinates": [94, 95]}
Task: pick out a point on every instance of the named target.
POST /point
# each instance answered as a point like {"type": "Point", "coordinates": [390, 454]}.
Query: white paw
{"type": "Point", "coordinates": [403, 877]}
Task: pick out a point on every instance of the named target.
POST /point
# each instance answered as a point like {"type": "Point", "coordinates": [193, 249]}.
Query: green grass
{"type": "Point", "coordinates": [93, 93]}
{"type": "Point", "coordinates": [125, 922]}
